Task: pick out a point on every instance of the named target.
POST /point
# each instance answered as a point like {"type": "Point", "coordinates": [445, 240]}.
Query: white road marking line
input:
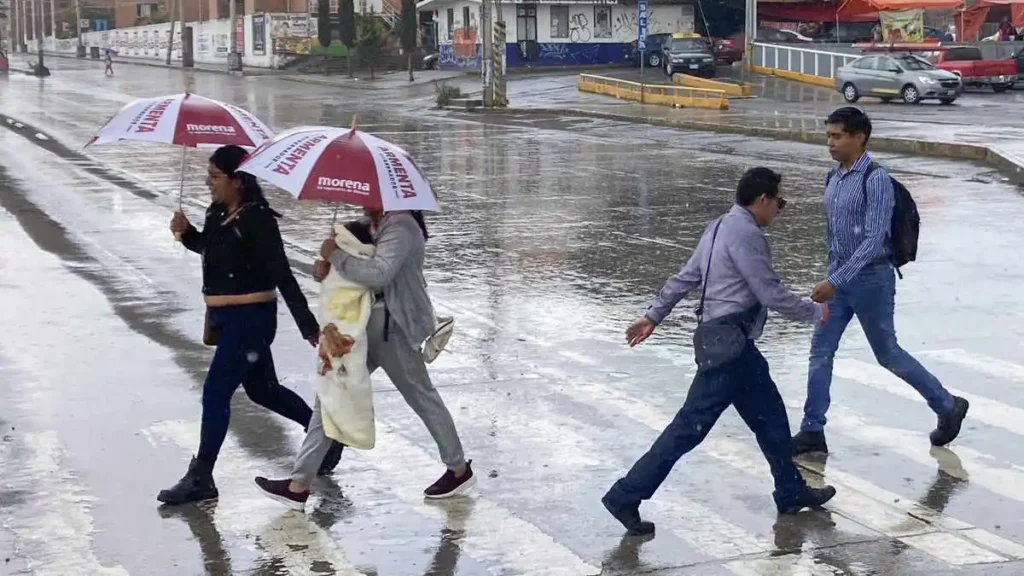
{"type": "Point", "coordinates": [745, 456]}
{"type": "Point", "coordinates": [982, 409]}
{"type": "Point", "coordinates": [494, 536]}
{"type": "Point", "coordinates": [546, 432]}
{"type": "Point", "coordinates": [983, 363]}
{"type": "Point", "coordinates": [285, 536]}
{"type": "Point", "coordinates": [951, 549]}
{"type": "Point", "coordinates": [54, 531]}
{"type": "Point", "coordinates": [1003, 481]}
{"type": "Point", "coordinates": [790, 565]}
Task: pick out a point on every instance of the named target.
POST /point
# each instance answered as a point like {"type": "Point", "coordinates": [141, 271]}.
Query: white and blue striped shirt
{"type": "Point", "coordinates": [857, 232]}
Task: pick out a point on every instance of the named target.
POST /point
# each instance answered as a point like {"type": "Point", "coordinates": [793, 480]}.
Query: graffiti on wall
{"type": "Point", "coordinates": [465, 38]}
{"type": "Point", "coordinates": [579, 28]}
{"type": "Point", "coordinates": [454, 57]}
{"type": "Point", "coordinates": [660, 20]}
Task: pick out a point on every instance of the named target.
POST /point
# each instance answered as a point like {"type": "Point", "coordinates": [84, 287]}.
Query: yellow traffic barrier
{"type": "Point", "coordinates": [666, 95]}
{"type": "Point", "coordinates": [730, 88]}
{"type": "Point", "coordinates": [796, 76]}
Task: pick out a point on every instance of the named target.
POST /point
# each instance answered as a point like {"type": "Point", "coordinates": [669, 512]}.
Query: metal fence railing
{"type": "Point", "coordinates": [808, 61]}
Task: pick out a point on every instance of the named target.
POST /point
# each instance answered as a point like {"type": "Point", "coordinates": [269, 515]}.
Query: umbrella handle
{"type": "Point", "coordinates": [181, 184]}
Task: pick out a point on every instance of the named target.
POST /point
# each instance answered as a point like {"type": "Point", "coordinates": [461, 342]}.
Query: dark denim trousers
{"type": "Point", "coordinates": [243, 358]}
{"type": "Point", "coordinates": [744, 383]}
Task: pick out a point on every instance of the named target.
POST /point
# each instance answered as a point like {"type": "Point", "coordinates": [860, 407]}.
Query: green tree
{"type": "Point", "coordinates": [407, 26]}
{"type": "Point", "coordinates": [371, 40]}
{"type": "Point", "coordinates": [347, 28]}
{"type": "Point", "coordinates": [323, 22]}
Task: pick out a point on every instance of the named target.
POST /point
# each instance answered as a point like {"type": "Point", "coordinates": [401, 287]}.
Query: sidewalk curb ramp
{"type": "Point", "coordinates": [661, 94]}
{"type": "Point", "coordinates": [1010, 168]}
{"type": "Point", "coordinates": [732, 89]}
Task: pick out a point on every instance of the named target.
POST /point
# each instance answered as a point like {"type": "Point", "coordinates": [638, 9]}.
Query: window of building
{"type": "Point", "coordinates": [559, 21]}
{"type": "Point", "coordinates": [602, 21]}
{"type": "Point", "coordinates": [465, 17]}
{"type": "Point", "coordinates": [450, 23]}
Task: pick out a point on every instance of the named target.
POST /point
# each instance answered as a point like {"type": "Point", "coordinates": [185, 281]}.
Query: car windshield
{"type": "Point", "coordinates": [688, 44]}
{"type": "Point", "coordinates": [914, 63]}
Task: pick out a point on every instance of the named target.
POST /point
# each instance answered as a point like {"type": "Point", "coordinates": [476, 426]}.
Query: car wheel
{"type": "Point", "coordinates": [850, 93]}
{"type": "Point", "coordinates": [946, 101]}
{"type": "Point", "coordinates": [668, 69]}
{"type": "Point", "coordinates": [1000, 88]}
{"type": "Point", "coordinates": [910, 94]}
{"type": "Point", "coordinates": [654, 60]}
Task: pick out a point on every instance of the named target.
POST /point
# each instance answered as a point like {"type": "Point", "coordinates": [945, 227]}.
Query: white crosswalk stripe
{"type": "Point", "coordinates": [983, 409]}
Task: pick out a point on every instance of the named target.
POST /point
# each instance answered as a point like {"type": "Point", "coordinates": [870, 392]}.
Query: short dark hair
{"type": "Point", "coordinates": [853, 120]}
{"type": "Point", "coordinates": [755, 183]}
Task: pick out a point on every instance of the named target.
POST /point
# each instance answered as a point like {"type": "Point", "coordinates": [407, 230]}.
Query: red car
{"type": "Point", "coordinates": [729, 50]}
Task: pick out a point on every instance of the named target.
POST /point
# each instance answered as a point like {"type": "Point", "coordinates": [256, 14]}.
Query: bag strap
{"type": "Point", "coordinates": [707, 271]}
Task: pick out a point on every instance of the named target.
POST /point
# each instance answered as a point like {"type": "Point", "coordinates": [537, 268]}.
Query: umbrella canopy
{"type": "Point", "coordinates": [185, 120]}
{"type": "Point", "coordinates": [342, 165]}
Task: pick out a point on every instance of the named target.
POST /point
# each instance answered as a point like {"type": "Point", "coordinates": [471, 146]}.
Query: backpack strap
{"type": "Point", "coordinates": [864, 182]}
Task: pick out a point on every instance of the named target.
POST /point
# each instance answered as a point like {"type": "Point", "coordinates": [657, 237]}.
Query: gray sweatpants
{"type": "Point", "coordinates": [403, 363]}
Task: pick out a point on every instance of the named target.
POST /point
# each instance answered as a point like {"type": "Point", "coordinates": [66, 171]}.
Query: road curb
{"type": "Point", "coordinates": [954, 150]}
{"type": "Point", "coordinates": [127, 60]}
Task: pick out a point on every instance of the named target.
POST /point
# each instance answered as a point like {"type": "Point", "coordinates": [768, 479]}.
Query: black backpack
{"type": "Point", "coordinates": [906, 222]}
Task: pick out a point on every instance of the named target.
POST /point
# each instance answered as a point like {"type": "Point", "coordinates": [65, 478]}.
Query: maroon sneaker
{"type": "Point", "coordinates": [278, 490]}
{"type": "Point", "coordinates": [448, 485]}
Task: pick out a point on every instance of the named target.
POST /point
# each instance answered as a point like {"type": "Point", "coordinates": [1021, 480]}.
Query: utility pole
{"type": "Point", "coordinates": [487, 53]}
{"type": "Point", "coordinates": [750, 29]}
{"type": "Point", "coordinates": [181, 27]}
{"type": "Point", "coordinates": [80, 49]}
{"type": "Point", "coordinates": [234, 58]}
{"type": "Point", "coordinates": [41, 69]}
{"type": "Point", "coordinates": [170, 37]}
{"type": "Point", "coordinates": [15, 26]}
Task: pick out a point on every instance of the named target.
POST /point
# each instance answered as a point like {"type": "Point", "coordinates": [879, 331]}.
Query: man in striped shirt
{"type": "Point", "coordinates": [861, 281]}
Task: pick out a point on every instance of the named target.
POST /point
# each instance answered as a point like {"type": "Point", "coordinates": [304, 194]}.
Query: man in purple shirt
{"type": "Point", "coordinates": [733, 261]}
{"type": "Point", "coordinates": [859, 200]}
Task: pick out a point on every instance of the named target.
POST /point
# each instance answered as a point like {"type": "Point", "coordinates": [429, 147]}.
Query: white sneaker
{"type": "Point", "coordinates": [437, 341]}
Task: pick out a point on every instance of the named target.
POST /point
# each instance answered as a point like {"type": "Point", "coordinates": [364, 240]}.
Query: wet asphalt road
{"type": "Point", "coordinates": [555, 233]}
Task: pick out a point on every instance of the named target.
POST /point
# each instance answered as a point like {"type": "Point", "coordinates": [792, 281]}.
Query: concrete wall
{"type": "Point", "coordinates": [210, 42]}
{"type": "Point", "coordinates": [585, 39]}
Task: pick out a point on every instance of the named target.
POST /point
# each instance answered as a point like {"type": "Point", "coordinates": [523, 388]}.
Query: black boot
{"type": "Point", "coordinates": [808, 443]}
{"type": "Point", "coordinates": [195, 486]}
{"type": "Point", "coordinates": [813, 498]}
{"type": "Point", "coordinates": [331, 460]}
{"type": "Point", "coordinates": [949, 424]}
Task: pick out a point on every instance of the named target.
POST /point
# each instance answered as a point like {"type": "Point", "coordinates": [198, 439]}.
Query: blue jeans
{"type": "Point", "coordinates": [243, 358]}
{"type": "Point", "coordinates": [871, 296]}
{"type": "Point", "coordinates": [744, 383]}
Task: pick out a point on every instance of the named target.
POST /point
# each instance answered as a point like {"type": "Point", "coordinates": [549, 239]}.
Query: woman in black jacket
{"type": "Point", "coordinates": [244, 265]}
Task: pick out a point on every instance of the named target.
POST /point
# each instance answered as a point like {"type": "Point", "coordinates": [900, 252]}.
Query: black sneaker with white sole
{"type": "Point", "coordinates": [449, 485]}
{"type": "Point", "coordinates": [278, 490]}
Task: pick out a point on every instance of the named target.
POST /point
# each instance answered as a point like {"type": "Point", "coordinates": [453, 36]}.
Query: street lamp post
{"type": "Point", "coordinates": [751, 32]}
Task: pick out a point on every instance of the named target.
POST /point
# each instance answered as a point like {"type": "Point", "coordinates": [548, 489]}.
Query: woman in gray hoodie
{"type": "Point", "coordinates": [401, 319]}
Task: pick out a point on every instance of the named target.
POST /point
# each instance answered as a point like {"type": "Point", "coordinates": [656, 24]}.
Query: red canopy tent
{"type": "Point", "coordinates": [973, 17]}
{"type": "Point", "coordinates": [859, 7]}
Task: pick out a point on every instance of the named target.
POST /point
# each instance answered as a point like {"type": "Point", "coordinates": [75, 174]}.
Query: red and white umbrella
{"type": "Point", "coordinates": [342, 165]}
{"type": "Point", "coordinates": [184, 120]}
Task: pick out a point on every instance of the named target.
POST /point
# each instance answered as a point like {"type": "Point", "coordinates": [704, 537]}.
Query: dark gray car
{"type": "Point", "coordinates": [904, 76]}
{"type": "Point", "coordinates": [690, 55]}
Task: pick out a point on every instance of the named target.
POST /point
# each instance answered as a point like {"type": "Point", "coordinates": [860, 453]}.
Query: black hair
{"type": "Point", "coordinates": [853, 120]}
{"type": "Point", "coordinates": [227, 159]}
{"type": "Point", "coordinates": [360, 230]}
{"type": "Point", "coordinates": [755, 183]}
{"type": "Point", "coordinates": [418, 216]}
